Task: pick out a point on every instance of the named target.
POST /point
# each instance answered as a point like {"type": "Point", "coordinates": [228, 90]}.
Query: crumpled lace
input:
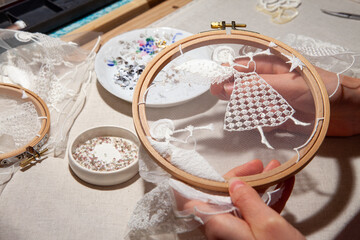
{"type": "Point", "coordinates": [58, 72]}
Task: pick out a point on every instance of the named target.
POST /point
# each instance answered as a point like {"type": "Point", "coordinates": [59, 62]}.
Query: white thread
{"type": "Point", "coordinates": [337, 86]}
{"type": "Point", "coordinates": [307, 142]}
{"type": "Point", "coordinates": [338, 75]}
{"type": "Point", "coordinates": [199, 220]}
{"type": "Point", "coordinates": [263, 138]}
{"type": "Point", "coordinates": [272, 45]}
{"type": "Point", "coordinates": [145, 94]}
{"type": "Point", "coordinates": [297, 122]}
{"type": "Point", "coordinates": [277, 193]}
{"type": "Point", "coordinates": [217, 212]}
{"type": "Point", "coordinates": [95, 46]}
{"type": "Point", "coordinates": [24, 95]}
{"type": "Point", "coordinates": [180, 49]}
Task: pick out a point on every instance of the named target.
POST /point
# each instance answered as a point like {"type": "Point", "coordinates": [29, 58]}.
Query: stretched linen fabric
{"type": "Point", "coordinates": [58, 72]}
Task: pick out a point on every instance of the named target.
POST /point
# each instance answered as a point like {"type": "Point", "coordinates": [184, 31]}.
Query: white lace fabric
{"type": "Point", "coordinates": [328, 56]}
{"type": "Point", "coordinates": [57, 71]}
{"type": "Point", "coordinates": [15, 119]}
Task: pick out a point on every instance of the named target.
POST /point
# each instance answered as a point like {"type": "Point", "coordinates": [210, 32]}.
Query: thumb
{"type": "Point", "coordinates": [263, 221]}
{"type": "Point", "coordinates": [247, 200]}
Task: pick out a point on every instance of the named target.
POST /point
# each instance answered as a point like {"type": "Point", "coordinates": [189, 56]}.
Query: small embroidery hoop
{"type": "Point", "coordinates": [31, 150]}
{"type": "Point", "coordinates": [287, 169]}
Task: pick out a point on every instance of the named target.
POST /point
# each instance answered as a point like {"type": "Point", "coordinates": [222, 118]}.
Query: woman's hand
{"type": "Point", "coordinates": [258, 221]}
{"type": "Point", "coordinates": [345, 103]}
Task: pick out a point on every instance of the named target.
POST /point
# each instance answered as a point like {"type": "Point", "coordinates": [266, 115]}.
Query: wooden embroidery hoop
{"type": "Point", "coordinates": [31, 150]}
{"type": "Point", "coordinates": [287, 169]}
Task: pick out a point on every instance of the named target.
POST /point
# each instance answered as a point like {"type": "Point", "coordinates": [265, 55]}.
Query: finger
{"type": "Point", "coordinates": [219, 89]}
{"type": "Point", "coordinates": [253, 167]}
{"type": "Point", "coordinates": [227, 226]}
{"type": "Point", "coordinates": [271, 165]}
{"type": "Point", "coordinates": [265, 64]}
{"type": "Point", "coordinates": [264, 222]}
{"type": "Point", "coordinates": [251, 206]}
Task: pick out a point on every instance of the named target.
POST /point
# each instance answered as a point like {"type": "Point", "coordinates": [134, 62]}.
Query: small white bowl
{"type": "Point", "coordinates": [103, 178]}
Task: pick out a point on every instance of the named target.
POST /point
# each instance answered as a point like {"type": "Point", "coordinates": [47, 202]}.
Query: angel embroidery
{"type": "Point", "coordinates": [253, 103]}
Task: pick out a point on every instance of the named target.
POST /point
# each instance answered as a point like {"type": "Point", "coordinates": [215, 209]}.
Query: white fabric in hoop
{"type": "Point", "coordinates": [17, 115]}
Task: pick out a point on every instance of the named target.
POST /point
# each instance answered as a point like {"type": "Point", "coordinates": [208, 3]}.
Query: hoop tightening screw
{"type": "Point", "coordinates": [222, 25]}
{"type": "Point", "coordinates": [27, 161]}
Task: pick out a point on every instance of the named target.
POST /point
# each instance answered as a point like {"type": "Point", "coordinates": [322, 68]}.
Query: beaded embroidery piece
{"type": "Point", "coordinates": [253, 104]}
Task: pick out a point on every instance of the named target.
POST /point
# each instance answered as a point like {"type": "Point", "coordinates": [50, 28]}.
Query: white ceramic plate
{"type": "Point", "coordinates": [142, 45]}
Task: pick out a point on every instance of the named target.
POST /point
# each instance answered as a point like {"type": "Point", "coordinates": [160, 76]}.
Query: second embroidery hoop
{"type": "Point", "coordinates": [308, 72]}
{"type": "Point", "coordinates": [33, 149]}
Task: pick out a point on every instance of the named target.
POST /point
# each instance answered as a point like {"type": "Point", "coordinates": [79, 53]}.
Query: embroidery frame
{"type": "Point", "coordinates": [287, 169]}
{"type": "Point", "coordinates": [33, 149]}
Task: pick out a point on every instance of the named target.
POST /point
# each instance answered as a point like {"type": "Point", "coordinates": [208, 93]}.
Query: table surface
{"type": "Point", "coordinates": [49, 202]}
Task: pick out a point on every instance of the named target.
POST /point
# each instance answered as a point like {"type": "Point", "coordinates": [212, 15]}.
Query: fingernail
{"type": "Point", "coordinates": [234, 184]}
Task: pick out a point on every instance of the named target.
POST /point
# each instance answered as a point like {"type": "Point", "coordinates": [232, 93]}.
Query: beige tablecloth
{"type": "Point", "coordinates": [49, 202]}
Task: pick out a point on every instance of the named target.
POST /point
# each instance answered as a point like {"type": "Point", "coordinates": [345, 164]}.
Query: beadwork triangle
{"type": "Point", "coordinates": [254, 103]}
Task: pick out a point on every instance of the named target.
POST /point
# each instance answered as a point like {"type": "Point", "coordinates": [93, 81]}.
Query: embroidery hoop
{"type": "Point", "coordinates": [287, 169]}
{"type": "Point", "coordinates": [32, 149]}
